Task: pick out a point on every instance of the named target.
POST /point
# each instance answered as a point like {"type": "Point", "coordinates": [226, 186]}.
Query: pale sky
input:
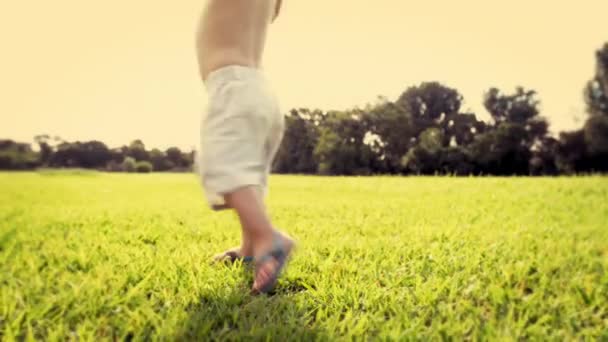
{"type": "Point", "coordinates": [118, 70]}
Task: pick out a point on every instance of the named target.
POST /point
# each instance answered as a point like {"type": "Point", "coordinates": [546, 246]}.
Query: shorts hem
{"type": "Point", "coordinates": [215, 193]}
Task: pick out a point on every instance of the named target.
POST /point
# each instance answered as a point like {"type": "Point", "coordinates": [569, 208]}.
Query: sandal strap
{"type": "Point", "coordinates": [276, 252]}
{"type": "Point", "coordinates": [248, 258]}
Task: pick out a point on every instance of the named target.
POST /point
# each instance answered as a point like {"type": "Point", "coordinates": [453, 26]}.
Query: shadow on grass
{"type": "Point", "coordinates": [233, 314]}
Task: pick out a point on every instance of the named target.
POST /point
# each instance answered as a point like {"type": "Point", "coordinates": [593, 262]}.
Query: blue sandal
{"type": "Point", "coordinates": [280, 253]}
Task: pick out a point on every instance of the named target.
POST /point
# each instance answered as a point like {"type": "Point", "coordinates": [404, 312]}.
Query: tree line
{"type": "Point", "coordinates": [424, 131]}
{"type": "Point", "coordinates": [55, 153]}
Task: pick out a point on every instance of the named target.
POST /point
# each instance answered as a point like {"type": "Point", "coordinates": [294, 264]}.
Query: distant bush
{"type": "Point", "coordinates": [129, 164]}
{"type": "Point", "coordinates": [144, 167]}
{"type": "Point", "coordinates": [114, 166]}
{"type": "Point", "coordinates": [17, 156]}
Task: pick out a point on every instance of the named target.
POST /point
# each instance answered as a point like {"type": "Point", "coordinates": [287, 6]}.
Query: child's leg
{"type": "Point", "coordinates": [257, 229]}
{"type": "Point", "coordinates": [255, 223]}
{"type": "Point", "coordinates": [246, 203]}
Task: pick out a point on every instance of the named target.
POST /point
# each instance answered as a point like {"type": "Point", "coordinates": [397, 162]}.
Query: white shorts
{"type": "Point", "coordinates": [240, 134]}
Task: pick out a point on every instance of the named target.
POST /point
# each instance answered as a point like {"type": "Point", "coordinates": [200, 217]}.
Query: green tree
{"type": "Point", "coordinates": [507, 146]}
{"type": "Point", "coordinates": [392, 133]}
{"type": "Point", "coordinates": [572, 152]}
{"type": "Point", "coordinates": [434, 109]}
{"type": "Point", "coordinates": [342, 149]}
{"type": "Point", "coordinates": [456, 160]}
{"type": "Point", "coordinates": [17, 156]}
{"type": "Point", "coordinates": [129, 164]}
{"type": "Point", "coordinates": [88, 154]}
{"type": "Point", "coordinates": [430, 104]}
{"type": "Point", "coordinates": [143, 167]}
{"type": "Point", "coordinates": [296, 153]}
{"type": "Point", "coordinates": [596, 135]}
{"type": "Point", "coordinates": [159, 160]}
{"type": "Point", "coordinates": [544, 159]}
{"type": "Point", "coordinates": [137, 151]}
{"type": "Point", "coordinates": [430, 109]}
{"type": "Point", "coordinates": [425, 157]}
{"type": "Point", "coordinates": [175, 157]}
{"type": "Point", "coordinates": [596, 92]}
{"type": "Point", "coordinates": [586, 149]}
{"type": "Point", "coordinates": [46, 150]}
{"type": "Point", "coordinates": [596, 127]}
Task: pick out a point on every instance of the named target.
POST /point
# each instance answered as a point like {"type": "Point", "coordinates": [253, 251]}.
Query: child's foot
{"type": "Point", "coordinates": [233, 255]}
{"type": "Point", "coordinates": [270, 263]}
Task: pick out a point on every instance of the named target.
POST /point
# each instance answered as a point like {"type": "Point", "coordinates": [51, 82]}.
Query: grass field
{"type": "Point", "coordinates": [89, 256]}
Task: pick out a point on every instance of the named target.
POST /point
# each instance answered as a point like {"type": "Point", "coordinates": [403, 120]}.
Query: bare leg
{"type": "Point", "coordinates": [256, 228]}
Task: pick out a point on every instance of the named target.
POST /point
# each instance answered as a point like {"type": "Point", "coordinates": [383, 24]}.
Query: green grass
{"type": "Point", "coordinates": [89, 256]}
